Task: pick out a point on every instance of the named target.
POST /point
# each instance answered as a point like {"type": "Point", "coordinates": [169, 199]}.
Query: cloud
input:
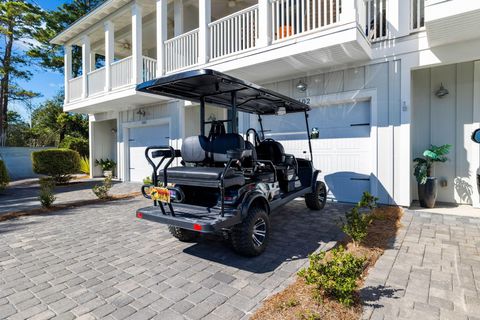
{"type": "Point", "coordinates": [55, 85]}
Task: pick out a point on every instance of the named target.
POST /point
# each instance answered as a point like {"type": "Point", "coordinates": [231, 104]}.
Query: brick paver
{"type": "Point", "coordinates": [432, 271]}
{"type": "Point", "coordinates": [99, 261]}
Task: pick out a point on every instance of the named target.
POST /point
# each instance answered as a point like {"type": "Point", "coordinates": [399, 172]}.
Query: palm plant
{"type": "Point", "coordinates": [423, 166]}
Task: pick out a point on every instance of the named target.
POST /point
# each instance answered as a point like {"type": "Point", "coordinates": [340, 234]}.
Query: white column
{"type": "Point", "coordinates": [204, 18]}
{"type": "Point", "coordinates": [109, 53]}
{"type": "Point", "coordinates": [67, 70]}
{"type": "Point", "coordinates": [264, 23]}
{"type": "Point", "coordinates": [475, 124]}
{"type": "Point", "coordinates": [161, 35]}
{"type": "Point", "coordinates": [85, 64]}
{"type": "Point", "coordinates": [137, 43]}
{"type": "Point", "coordinates": [348, 11]}
{"type": "Point", "coordinates": [92, 60]}
{"type": "Point", "coordinates": [178, 17]}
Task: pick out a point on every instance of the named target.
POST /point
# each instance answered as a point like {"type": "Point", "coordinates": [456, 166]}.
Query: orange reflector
{"type": "Point", "coordinates": [197, 227]}
{"type": "Point", "coordinates": [139, 215]}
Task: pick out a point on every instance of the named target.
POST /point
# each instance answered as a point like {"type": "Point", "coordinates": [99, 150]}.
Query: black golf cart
{"type": "Point", "coordinates": [227, 184]}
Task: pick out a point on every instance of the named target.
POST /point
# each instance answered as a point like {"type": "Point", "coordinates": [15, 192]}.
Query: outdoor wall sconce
{"type": "Point", "coordinates": [114, 131]}
{"type": "Point", "coordinates": [441, 92]}
{"type": "Point", "coordinates": [302, 86]}
{"type": "Point", "coordinates": [141, 112]}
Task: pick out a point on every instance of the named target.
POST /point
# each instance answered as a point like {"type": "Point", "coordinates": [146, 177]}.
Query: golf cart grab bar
{"type": "Point", "coordinates": [166, 152]}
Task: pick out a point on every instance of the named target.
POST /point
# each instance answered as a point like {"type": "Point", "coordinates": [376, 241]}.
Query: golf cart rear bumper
{"type": "Point", "coordinates": [200, 219]}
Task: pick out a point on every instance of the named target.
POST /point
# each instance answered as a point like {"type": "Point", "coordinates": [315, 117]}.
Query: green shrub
{"type": "Point", "coordinates": [101, 190]}
{"type": "Point", "coordinates": [59, 164]}
{"type": "Point", "coordinates": [106, 164]}
{"type": "Point", "coordinates": [46, 196]}
{"type": "Point", "coordinates": [357, 220]}
{"type": "Point", "coordinates": [75, 143]}
{"type": "Point", "coordinates": [336, 275]}
{"type": "Point", "coordinates": [85, 165]}
{"type": "Point", "coordinates": [4, 178]}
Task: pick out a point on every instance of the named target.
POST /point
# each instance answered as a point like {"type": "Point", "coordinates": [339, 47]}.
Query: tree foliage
{"type": "Point", "coordinates": [51, 56]}
{"type": "Point", "coordinates": [19, 20]}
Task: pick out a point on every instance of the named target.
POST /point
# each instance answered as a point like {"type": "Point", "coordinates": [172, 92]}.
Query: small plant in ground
{"type": "Point", "coordinates": [335, 275]}
{"type": "Point", "coordinates": [292, 302]}
{"type": "Point", "coordinates": [4, 178]}
{"type": "Point", "coordinates": [357, 220]}
{"type": "Point", "coordinates": [101, 191]}
{"type": "Point", "coordinates": [46, 196]}
{"type": "Point", "coordinates": [309, 315]}
{"type": "Point", "coordinates": [85, 165]}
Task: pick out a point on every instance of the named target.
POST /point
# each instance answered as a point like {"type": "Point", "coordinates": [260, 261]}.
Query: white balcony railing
{"type": "Point", "coordinates": [76, 88]}
{"type": "Point", "coordinates": [181, 52]}
{"type": "Point", "coordinates": [96, 81]}
{"type": "Point", "coordinates": [149, 68]}
{"type": "Point", "coordinates": [122, 74]}
{"type": "Point", "coordinates": [376, 20]}
{"type": "Point", "coordinates": [418, 14]}
{"type": "Point", "coordinates": [234, 33]}
{"type": "Point", "coordinates": [293, 17]}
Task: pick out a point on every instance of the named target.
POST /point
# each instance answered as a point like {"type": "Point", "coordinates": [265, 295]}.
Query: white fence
{"type": "Point", "coordinates": [122, 72]}
{"type": "Point", "coordinates": [234, 33]}
{"type": "Point", "coordinates": [96, 81]}
{"type": "Point", "coordinates": [182, 51]}
{"type": "Point", "coordinates": [149, 68]}
{"type": "Point", "coordinates": [76, 88]}
{"type": "Point", "coordinates": [418, 14]}
{"type": "Point", "coordinates": [377, 28]}
{"type": "Point", "coordinates": [293, 17]}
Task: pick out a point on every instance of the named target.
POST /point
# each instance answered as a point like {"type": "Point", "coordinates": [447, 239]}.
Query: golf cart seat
{"type": "Point", "coordinates": [208, 159]}
{"type": "Point", "coordinates": [285, 164]}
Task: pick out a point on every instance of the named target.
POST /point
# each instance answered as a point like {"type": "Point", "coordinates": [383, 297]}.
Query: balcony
{"type": "Point", "coordinates": [450, 21]}
{"type": "Point", "coordinates": [280, 31]}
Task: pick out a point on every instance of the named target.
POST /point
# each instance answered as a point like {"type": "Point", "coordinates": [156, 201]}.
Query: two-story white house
{"type": "Point", "coordinates": [371, 70]}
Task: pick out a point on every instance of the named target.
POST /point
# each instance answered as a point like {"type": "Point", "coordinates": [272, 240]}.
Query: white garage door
{"type": "Point", "coordinates": [343, 151]}
{"type": "Point", "coordinates": [139, 139]}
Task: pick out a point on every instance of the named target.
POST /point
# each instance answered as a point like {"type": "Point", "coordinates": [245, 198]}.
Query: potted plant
{"type": "Point", "coordinates": [427, 183]}
{"type": "Point", "coordinates": [107, 166]}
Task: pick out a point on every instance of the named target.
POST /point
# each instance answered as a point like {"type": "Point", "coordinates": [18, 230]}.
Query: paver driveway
{"type": "Point", "coordinates": [101, 262]}
{"type": "Point", "coordinates": [432, 271]}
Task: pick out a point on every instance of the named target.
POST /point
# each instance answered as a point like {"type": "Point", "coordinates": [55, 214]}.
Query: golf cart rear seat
{"type": "Point", "coordinates": [209, 158]}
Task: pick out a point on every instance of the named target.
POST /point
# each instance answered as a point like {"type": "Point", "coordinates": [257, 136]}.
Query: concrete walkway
{"type": "Point", "coordinates": [23, 194]}
{"type": "Point", "coordinates": [432, 271]}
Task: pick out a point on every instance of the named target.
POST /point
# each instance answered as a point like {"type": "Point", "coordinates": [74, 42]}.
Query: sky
{"type": "Point", "coordinates": [47, 83]}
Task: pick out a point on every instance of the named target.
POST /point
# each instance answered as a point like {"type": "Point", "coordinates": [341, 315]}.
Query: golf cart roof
{"type": "Point", "coordinates": [216, 88]}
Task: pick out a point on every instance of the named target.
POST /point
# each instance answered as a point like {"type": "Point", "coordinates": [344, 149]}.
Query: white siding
{"type": "Point", "coordinates": [447, 120]}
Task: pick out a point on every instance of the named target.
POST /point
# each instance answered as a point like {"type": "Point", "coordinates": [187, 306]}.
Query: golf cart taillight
{"type": "Point", "coordinates": [139, 215]}
{"type": "Point", "coordinates": [197, 227]}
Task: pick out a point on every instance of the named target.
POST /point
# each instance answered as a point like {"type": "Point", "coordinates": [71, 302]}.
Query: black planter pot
{"type": "Point", "coordinates": [427, 193]}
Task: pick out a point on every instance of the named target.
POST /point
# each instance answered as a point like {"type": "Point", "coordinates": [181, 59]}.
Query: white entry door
{"type": "Point", "coordinates": [343, 151]}
{"type": "Point", "coordinates": [139, 139]}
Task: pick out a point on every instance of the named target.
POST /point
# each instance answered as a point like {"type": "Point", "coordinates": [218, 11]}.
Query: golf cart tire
{"type": "Point", "coordinates": [183, 235]}
{"type": "Point", "coordinates": [242, 234]}
{"type": "Point", "coordinates": [313, 201]}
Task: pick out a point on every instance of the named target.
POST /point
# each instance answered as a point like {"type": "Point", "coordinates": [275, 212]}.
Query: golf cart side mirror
{"type": "Point", "coordinates": [476, 136]}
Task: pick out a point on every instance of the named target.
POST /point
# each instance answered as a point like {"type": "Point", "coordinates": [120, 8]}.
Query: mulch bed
{"type": "Point", "coordinates": [57, 207]}
{"type": "Point", "coordinates": [300, 301]}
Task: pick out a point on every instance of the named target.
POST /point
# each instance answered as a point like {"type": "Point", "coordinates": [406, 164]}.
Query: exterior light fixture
{"type": "Point", "coordinates": [231, 3]}
{"type": "Point", "coordinates": [302, 86]}
{"type": "Point", "coordinates": [114, 130]}
{"type": "Point", "coordinates": [141, 112]}
{"type": "Point", "coordinates": [441, 92]}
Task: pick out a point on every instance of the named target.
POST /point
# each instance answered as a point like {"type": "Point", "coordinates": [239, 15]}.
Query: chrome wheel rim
{"type": "Point", "coordinates": [322, 195]}
{"type": "Point", "coordinates": [259, 232]}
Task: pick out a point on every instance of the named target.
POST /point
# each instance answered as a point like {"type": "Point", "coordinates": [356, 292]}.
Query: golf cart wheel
{"type": "Point", "coordinates": [250, 238]}
{"type": "Point", "coordinates": [183, 235]}
{"type": "Point", "coordinates": [317, 199]}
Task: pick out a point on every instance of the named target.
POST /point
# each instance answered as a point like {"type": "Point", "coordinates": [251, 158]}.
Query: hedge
{"type": "Point", "coordinates": [60, 164]}
{"type": "Point", "coordinates": [78, 144]}
{"type": "Point", "coordinates": [4, 178]}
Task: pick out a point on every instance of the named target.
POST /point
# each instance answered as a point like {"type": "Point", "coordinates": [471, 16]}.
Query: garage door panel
{"type": "Point", "coordinates": [139, 139]}
{"type": "Point", "coordinates": [343, 151]}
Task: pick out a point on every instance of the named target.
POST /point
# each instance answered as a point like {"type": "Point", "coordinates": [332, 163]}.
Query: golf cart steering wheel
{"type": "Point", "coordinates": [257, 138]}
